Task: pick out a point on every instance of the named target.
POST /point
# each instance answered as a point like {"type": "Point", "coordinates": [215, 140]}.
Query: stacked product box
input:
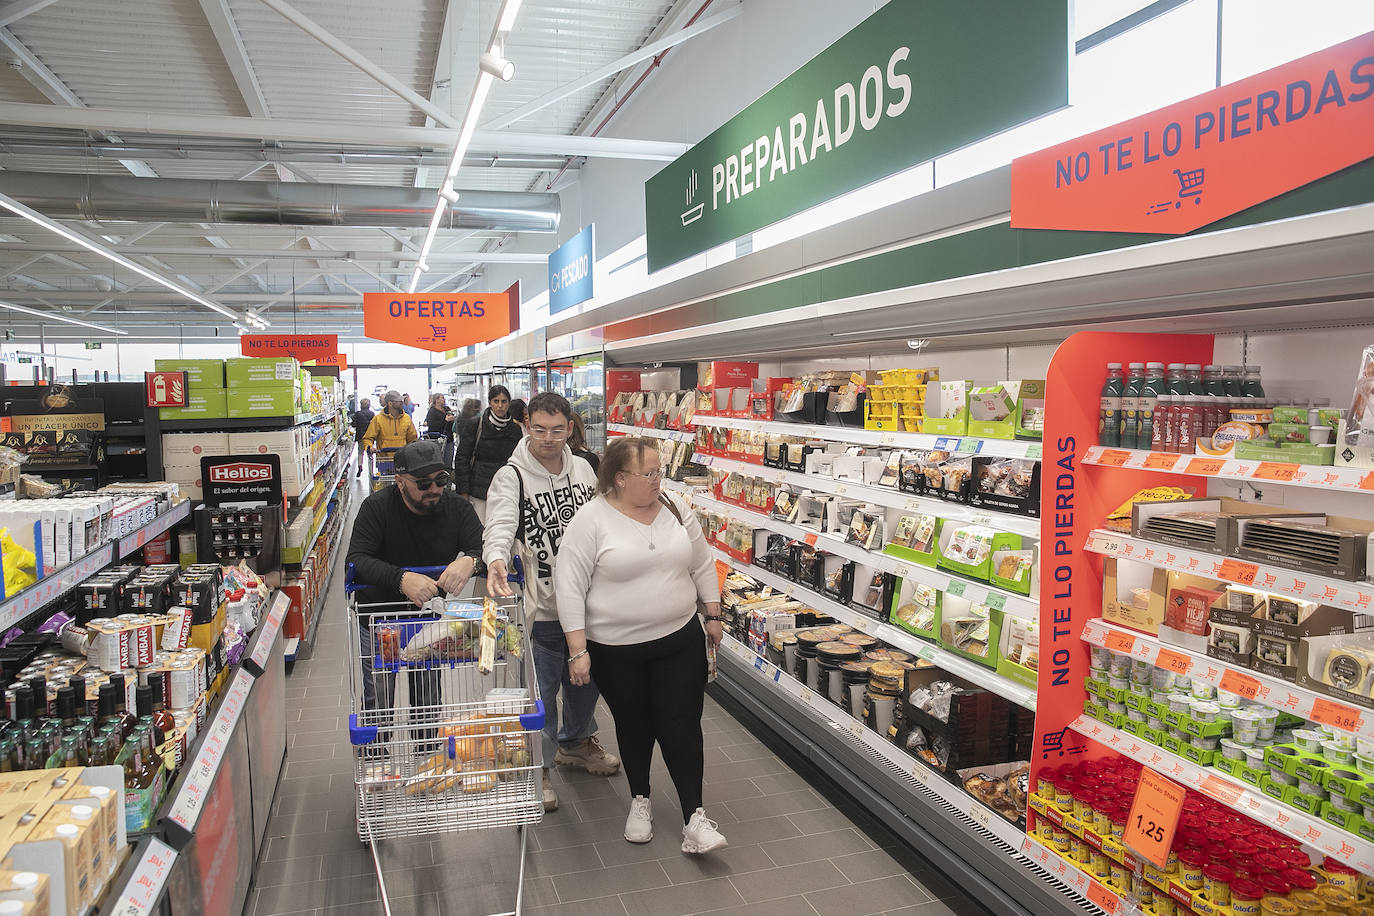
{"type": "Point", "coordinates": [206, 397]}
{"type": "Point", "coordinates": [293, 448]}
{"type": "Point", "coordinates": [264, 387]}
{"type": "Point", "coordinates": [181, 454]}
{"type": "Point", "coordinates": [62, 531]}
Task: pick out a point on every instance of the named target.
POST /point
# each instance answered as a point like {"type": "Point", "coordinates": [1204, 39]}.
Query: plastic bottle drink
{"type": "Point", "coordinates": [1213, 382]}
{"type": "Point", "coordinates": [1215, 413]}
{"type": "Point", "coordinates": [1189, 423]}
{"type": "Point", "coordinates": [1158, 424]}
{"type": "Point", "coordinates": [1251, 387]}
{"type": "Point", "coordinates": [1193, 373]}
{"type": "Point", "coordinates": [1166, 422]}
{"type": "Point", "coordinates": [1147, 402]}
{"type": "Point", "coordinates": [1130, 406]}
{"type": "Point", "coordinates": [1177, 380]}
{"type": "Point", "coordinates": [1232, 377]}
{"type": "Point", "coordinates": [1109, 420]}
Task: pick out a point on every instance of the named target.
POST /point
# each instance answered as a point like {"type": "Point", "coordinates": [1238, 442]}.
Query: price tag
{"type": "Point", "coordinates": [856, 730]}
{"type": "Point", "coordinates": [1235, 571]}
{"type": "Point", "coordinates": [1205, 467]}
{"type": "Point", "coordinates": [1113, 458]}
{"type": "Point", "coordinates": [996, 601]}
{"type": "Point", "coordinates": [918, 773]}
{"type": "Point", "coordinates": [1337, 715]}
{"type": "Point", "coordinates": [1154, 817]}
{"type": "Point", "coordinates": [806, 696]}
{"type": "Point", "coordinates": [955, 588]}
{"type": "Point", "coordinates": [980, 815]}
{"type": "Point", "coordinates": [927, 653]}
{"type": "Point", "coordinates": [886, 439]}
{"type": "Point", "coordinates": [1367, 481]}
{"type": "Point", "coordinates": [1101, 897]}
{"type": "Point", "coordinates": [1036, 451]}
{"type": "Point", "coordinates": [841, 489]}
{"type": "Point", "coordinates": [811, 539]}
{"type": "Point", "coordinates": [969, 446]}
{"type": "Point", "coordinates": [1119, 642]}
{"type": "Point", "coordinates": [722, 573]}
{"type": "Point", "coordinates": [865, 625]}
{"type": "Point", "coordinates": [1160, 461]}
{"type": "Point", "coordinates": [1221, 790]}
{"type": "Point", "coordinates": [1173, 661]}
{"type": "Point", "coordinates": [903, 571]}
{"type": "Point", "coordinates": [145, 884]}
{"type": "Point", "coordinates": [1241, 684]}
{"type": "Point", "coordinates": [1273, 470]}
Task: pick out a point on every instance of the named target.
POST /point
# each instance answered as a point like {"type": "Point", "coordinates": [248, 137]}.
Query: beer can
{"type": "Point", "coordinates": [176, 634]}
{"type": "Point", "coordinates": [141, 642]}
{"type": "Point", "coordinates": [184, 686]}
{"type": "Point", "coordinates": [108, 646]}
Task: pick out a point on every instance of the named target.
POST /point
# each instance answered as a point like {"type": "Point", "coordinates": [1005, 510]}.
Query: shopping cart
{"type": "Point", "coordinates": [446, 720]}
{"type": "Point", "coordinates": [384, 468]}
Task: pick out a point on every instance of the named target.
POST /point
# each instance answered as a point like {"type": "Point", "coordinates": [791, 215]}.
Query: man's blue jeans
{"type": "Point", "coordinates": [579, 703]}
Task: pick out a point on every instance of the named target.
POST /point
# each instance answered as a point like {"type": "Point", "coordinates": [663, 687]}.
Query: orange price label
{"type": "Point", "coordinates": [1154, 817]}
{"type": "Point", "coordinates": [1367, 482]}
{"type": "Point", "coordinates": [1102, 897]}
{"type": "Point", "coordinates": [1273, 470]}
{"type": "Point", "coordinates": [811, 540]}
{"type": "Point", "coordinates": [1337, 715]}
{"type": "Point", "coordinates": [1160, 461]}
{"type": "Point", "coordinates": [722, 573]}
{"type": "Point", "coordinates": [1119, 642]}
{"type": "Point", "coordinates": [1236, 571]}
{"type": "Point", "coordinates": [1241, 684]}
{"type": "Point", "coordinates": [1113, 458]}
{"type": "Point", "coordinates": [1221, 790]}
{"type": "Point", "coordinates": [1176, 662]}
{"type": "Point", "coordinates": [1205, 467]}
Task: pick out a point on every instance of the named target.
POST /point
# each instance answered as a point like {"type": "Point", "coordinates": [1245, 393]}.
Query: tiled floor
{"type": "Point", "coordinates": [793, 849]}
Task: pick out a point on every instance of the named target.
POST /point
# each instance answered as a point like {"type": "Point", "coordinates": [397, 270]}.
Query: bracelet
{"type": "Point", "coordinates": [573, 658]}
{"type": "Point", "coordinates": [710, 617]}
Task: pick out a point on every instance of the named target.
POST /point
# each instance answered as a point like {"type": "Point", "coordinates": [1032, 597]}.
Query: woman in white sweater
{"type": "Point", "coordinates": [631, 567]}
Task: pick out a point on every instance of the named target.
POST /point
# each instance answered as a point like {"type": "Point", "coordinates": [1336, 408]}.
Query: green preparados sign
{"type": "Point", "coordinates": [916, 80]}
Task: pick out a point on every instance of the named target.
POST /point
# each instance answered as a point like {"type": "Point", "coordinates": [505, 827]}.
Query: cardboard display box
{"type": "Point", "coordinates": [252, 370]}
{"type": "Point", "coordinates": [200, 373]}
{"type": "Point", "coordinates": [205, 404]}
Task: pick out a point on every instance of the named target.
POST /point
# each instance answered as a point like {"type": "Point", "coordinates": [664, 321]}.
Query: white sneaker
{"type": "Point", "coordinates": [639, 826]}
{"type": "Point", "coordinates": [700, 835]}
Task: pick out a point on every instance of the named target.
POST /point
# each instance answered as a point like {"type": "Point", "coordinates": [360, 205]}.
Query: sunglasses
{"type": "Point", "coordinates": [438, 481]}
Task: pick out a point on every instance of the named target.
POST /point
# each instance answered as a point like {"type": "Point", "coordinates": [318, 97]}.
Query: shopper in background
{"type": "Point", "coordinates": [529, 504]}
{"type": "Point", "coordinates": [577, 441]}
{"type": "Point", "coordinates": [416, 523]}
{"type": "Point", "coordinates": [392, 428]}
{"type": "Point", "coordinates": [484, 445]}
{"type": "Point", "coordinates": [408, 405]}
{"type": "Point", "coordinates": [439, 425]}
{"type": "Point", "coordinates": [471, 407]}
{"type": "Point", "coordinates": [362, 419]}
{"type": "Point", "coordinates": [631, 569]}
{"type": "Point", "coordinates": [518, 411]}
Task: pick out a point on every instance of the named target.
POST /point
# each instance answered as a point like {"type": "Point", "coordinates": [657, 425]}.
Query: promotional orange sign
{"type": "Point", "coordinates": [332, 359]}
{"type": "Point", "coordinates": [1193, 163]}
{"type": "Point", "coordinates": [435, 321]}
{"type": "Point", "coordinates": [303, 347]}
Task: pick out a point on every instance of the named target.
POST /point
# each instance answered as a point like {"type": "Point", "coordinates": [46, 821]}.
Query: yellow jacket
{"type": "Point", "coordinates": [386, 431]}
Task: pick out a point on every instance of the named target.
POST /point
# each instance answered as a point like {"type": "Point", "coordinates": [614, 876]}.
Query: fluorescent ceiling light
{"type": "Point", "coordinates": [15, 207]}
{"type": "Point", "coordinates": [53, 316]}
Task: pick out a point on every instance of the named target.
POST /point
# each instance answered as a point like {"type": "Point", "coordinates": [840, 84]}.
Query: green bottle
{"type": "Point", "coordinates": [1130, 407]}
{"type": "Point", "coordinates": [1110, 418]}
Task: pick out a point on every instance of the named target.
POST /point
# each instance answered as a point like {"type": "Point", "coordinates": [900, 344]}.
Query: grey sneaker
{"type": "Point", "coordinates": [700, 835]}
{"type": "Point", "coordinates": [589, 756]}
{"type": "Point", "coordinates": [639, 826]}
{"type": "Point", "coordinates": [550, 796]}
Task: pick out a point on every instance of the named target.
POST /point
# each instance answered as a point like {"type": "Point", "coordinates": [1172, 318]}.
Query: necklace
{"type": "Point", "coordinates": [648, 538]}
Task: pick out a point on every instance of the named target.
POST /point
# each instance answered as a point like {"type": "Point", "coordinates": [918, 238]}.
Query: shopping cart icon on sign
{"type": "Point", "coordinates": [1189, 185]}
{"type": "Point", "coordinates": [440, 332]}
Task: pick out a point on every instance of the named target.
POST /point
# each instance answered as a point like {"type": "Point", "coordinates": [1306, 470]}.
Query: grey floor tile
{"type": "Point", "coordinates": [592, 809]}
{"type": "Point", "coordinates": [681, 899]}
{"type": "Point", "coordinates": [286, 898]}
{"type": "Point", "coordinates": [935, 908]}
{"type": "Point", "coordinates": [746, 809]}
{"type": "Point", "coordinates": [569, 860]}
{"type": "Point", "coordinates": [783, 906]}
{"type": "Point", "coordinates": [816, 846]}
{"type": "Point", "coordinates": [763, 830]}
{"type": "Point", "coordinates": [599, 906]}
{"type": "Point", "coordinates": [742, 753]}
{"type": "Point", "coordinates": [667, 843]}
{"type": "Point", "coordinates": [621, 879]}
{"type": "Point", "coordinates": [286, 871]}
{"type": "Point", "coordinates": [717, 793]}
{"type": "Point", "coordinates": [732, 860]}
{"type": "Point", "coordinates": [788, 881]}
{"type": "Point", "coordinates": [327, 843]}
{"type": "Point", "coordinates": [319, 752]}
{"type": "Point", "coordinates": [352, 862]}
{"type": "Point", "coordinates": [870, 897]}
{"type": "Point", "coordinates": [773, 783]}
{"type": "Point", "coordinates": [295, 825]}
{"type": "Point", "coordinates": [824, 820]}
{"type": "Point", "coordinates": [578, 833]}
{"type": "Point", "coordinates": [318, 784]}
{"type": "Point", "coordinates": [865, 866]}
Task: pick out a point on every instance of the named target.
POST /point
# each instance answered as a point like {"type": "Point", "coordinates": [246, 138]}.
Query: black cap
{"type": "Point", "coordinates": [421, 457]}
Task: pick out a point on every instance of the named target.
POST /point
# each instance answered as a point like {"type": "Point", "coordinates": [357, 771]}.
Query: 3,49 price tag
{"type": "Point", "coordinates": [1154, 817]}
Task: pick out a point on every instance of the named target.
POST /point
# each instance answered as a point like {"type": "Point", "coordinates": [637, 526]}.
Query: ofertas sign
{"type": "Point", "coordinates": [303, 347]}
{"type": "Point", "coordinates": [436, 321]}
{"type": "Point", "coordinates": [1218, 153]}
{"type": "Point", "coordinates": [338, 360]}
{"type": "Point", "coordinates": [570, 270]}
{"type": "Point", "coordinates": [915, 80]}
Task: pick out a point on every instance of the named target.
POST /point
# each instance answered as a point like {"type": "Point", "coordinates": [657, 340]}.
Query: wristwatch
{"type": "Point", "coordinates": [478, 567]}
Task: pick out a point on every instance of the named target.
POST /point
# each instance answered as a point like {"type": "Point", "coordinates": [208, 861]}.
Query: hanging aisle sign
{"type": "Point", "coordinates": [1191, 164]}
{"type": "Point", "coordinates": [438, 321]}
{"type": "Point", "coordinates": [570, 270]}
{"type": "Point", "coordinates": [337, 360]}
{"type": "Point", "coordinates": [303, 347]}
{"type": "Point", "coordinates": [916, 80]}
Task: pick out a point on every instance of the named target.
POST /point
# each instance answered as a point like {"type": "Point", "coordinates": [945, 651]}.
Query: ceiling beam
{"type": "Point", "coordinates": [300, 254]}
{"type": "Point", "coordinates": [226, 33]}
{"type": "Point", "coordinates": [128, 121]}
{"type": "Point", "coordinates": [629, 60]}
{"type": "Point", "coordinates": [441, 87]}
{"type": "Point", "coordinates": [14, 10]}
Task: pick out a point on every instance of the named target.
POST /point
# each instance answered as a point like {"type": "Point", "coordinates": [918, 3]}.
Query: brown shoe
{"type": "Point", "coordinates": [589, 756]}
{"type": "Point", "coordinates": [550, 796]}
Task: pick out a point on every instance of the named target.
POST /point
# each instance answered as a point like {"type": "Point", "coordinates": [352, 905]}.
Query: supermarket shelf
{"type": "Point", "coordinates": [1282, 695]}
{"type": "Point", "coordinates": [236, 425]}
{"type": "Point", "coordinates": [955, 664]}
{"type": "Point", "coordinates": [977, 592]}
{"type": "Point", "coordinates": [677, 487]}
{"type": "Point", "coordinates": [297, 648]}
{"type": "Point", "coordinates": [1274, 579]}
{"type": "Point", "coordinates": [132, 542]}
{"type": "Point", "coordinates": [1247, 799]}
{"type": "Point", "coordinates": [294, 556]}
{"type": "Point", "coordinates": [882, 496]}
{"type": "Point", "coordinates": [1320, 477]}
{"type": "Point", "coordinates": [964, 839]}
{"type": "Point", "coordinates": [1097, 893]}
{"type": "Point", "coordinates": [1000, 448]}
{"type": "Point", "coordinates": [678, 435]}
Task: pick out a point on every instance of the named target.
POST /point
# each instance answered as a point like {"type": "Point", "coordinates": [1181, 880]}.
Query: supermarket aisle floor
{"type": "Point", "coordinates": [792, 850]}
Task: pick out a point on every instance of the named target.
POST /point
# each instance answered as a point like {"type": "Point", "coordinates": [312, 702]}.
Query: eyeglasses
{"type": "Point", "coordinates": [438, 481]}
{"type": "Point", "coordinates": [652, 476]}
{"type": "Point", "coordinates": [539, 432]}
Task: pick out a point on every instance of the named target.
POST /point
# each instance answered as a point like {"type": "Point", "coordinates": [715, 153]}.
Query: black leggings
{"type": "Point", "coordinates": [656, 691]}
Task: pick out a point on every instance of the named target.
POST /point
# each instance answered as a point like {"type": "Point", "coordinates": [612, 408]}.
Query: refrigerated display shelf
{"type": "Point", "coordinates": [1096, 893]}
{"type": "Point", "coordinates": [1275, 579]}
{"type": "Point", "coordinates": [1320, 477]}
{"type": "Point", "coordinates": [977, 592]}
{"type": "Point", "coordinates": [677, 435]}
{"type": "Point", "coordinates": [966, 445]}
{"type": "Point", "coordinates": [1271, 691]}
{"type": "Point", "coordinates": [970, 671]}
{"type": "Point", "coordinates": [889, 497]}
{"type": "Point", "coordinates": [1248, 800]}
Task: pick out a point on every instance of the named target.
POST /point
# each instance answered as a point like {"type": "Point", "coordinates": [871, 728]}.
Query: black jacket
{"type": "Point", "coordinates": [388, 538]}
{"type": "Point", "coordinates": [482, 449]}
{"type": "Point", "coordinates": [362, 418]}
{"type": "Point", "coordinates": [436, 423]}
{"type": "Point", "coordinates": [589, 456]}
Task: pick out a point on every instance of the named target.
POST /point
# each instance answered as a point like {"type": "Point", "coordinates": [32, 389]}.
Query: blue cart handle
{"type": "Point", "coordinates": [351, 585]}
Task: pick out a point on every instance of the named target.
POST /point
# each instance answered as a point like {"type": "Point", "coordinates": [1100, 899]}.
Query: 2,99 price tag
{"type": "Point", "coordinates": [1154, 817]}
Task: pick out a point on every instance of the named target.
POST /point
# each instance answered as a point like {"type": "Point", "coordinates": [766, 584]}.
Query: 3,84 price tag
{"type": "Point", "coordinates": [1154, 817]}
{"type": "Point", "coordinates": [1337, 715]}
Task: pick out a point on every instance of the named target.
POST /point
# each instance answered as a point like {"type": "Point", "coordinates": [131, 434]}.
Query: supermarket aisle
{"type": "Point", "coordinates": [792, 851]}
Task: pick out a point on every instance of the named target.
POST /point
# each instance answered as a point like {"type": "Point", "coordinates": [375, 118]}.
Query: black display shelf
{"type": "Point", "coordinates": [225, 425]}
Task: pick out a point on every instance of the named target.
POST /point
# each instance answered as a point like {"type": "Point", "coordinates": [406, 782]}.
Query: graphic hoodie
{"type": "Point", "coordinates": [539, 517]}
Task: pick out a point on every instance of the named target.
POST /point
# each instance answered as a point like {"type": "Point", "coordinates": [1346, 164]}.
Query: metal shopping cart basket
{"type": "Point", "coordinates": [384, 468]}
{"type": "Point", "coordinates": [446, 720]}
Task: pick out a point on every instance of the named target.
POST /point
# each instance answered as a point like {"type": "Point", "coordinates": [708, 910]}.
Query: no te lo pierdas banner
{"type": "Point", "coordinates": [1193, 163]}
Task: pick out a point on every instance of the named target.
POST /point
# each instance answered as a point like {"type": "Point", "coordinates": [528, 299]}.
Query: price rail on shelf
{"type": "Point", "coordinates": [678, 435]}
{"type": "Point", "coordinates": [966, 445]}
{"type": "Point", "coordinates": [144, 888]}
{"type": "Point", "coordinates": [186, 806]}
{"type": "Point", "coordinates": [1248, 800]}
{"type": "Point", "coordinates": [1078, 880]}
{"type": "Point", "coordinates": [1323, 477]}
{"type": "Point", "coordinates": [968, 670]}
{"type": "Point", "coordinates": [1357, 596]}
{"type": "Point", "coordinates": [1252, 685]}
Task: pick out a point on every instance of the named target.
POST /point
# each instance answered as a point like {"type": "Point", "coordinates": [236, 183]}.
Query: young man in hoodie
{"type": "Point", "coordinates": [531, 500]}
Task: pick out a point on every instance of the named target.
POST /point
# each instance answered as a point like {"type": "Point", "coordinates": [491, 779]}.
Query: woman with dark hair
{"type": "Point", "coordinates": [484, 445]}
{"type": "Point", "coordinates": [438, 425]}
{"type": "Point", "coordinates": [577, 441]}
{"type": "Point", "coordinates": [519, 411]}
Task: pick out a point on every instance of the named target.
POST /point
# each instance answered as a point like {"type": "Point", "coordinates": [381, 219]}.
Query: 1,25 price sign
{"type": "Point", "coordinates": [1154, 817]}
